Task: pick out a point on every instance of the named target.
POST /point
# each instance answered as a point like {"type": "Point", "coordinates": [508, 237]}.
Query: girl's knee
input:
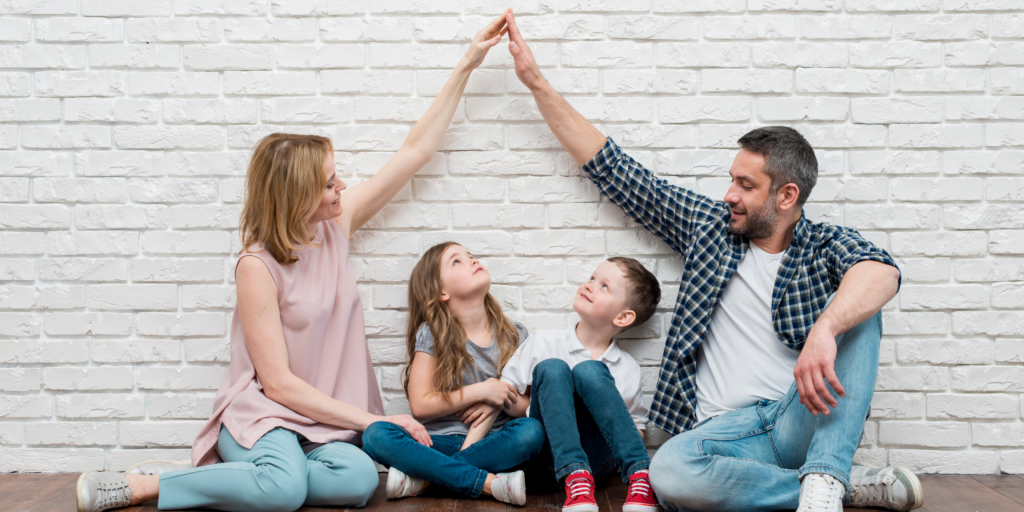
{"type": "Point", "coordinates": [377, 436]}
{"type": "Point", "coordinates": [530, 433]}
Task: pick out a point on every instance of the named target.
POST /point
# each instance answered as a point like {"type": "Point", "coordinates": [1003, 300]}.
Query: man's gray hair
{"type": "Point", "coordinates": [789, 158]}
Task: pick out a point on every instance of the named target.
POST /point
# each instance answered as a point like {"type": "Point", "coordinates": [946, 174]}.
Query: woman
{"type": "Point", "coordinates": [300, 388]}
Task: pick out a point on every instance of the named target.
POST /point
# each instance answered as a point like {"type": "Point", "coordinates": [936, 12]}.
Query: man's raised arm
{"type": "Point", "coordinates": [576, 134]}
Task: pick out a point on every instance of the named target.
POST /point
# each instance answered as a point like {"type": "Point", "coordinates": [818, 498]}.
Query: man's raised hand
{"type": "Point", "coordinates": [526, 66]}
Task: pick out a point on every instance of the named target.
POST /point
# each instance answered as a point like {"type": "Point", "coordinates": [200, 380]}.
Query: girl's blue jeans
{"type": "Point", "coordinates": [276, 475]}
{"type": "Point", "coordinates": [444, 464]}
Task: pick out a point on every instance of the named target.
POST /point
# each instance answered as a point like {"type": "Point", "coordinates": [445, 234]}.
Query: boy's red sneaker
{"type": "Point", "coordinates": [579, 492]}
{"type": "Point", "coordinates": [640, 497]}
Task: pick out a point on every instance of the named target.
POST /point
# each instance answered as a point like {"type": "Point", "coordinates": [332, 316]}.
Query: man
{"type": "Point", "coordinates": [771, 307]}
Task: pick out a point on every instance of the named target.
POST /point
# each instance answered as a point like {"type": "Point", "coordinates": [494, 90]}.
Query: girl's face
{"type": "Point", "coordinates": [462, 275]}
{"type": "Point", "coordinates": [329, 206]}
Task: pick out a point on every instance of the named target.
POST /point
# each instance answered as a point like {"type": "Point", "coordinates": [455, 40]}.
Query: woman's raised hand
{"type": "Point", "coordinates": [413, 427]}
{"type": "Point", "coordinates": [497, 393]}
{"type": "Point", "coordinates": [485, 39]}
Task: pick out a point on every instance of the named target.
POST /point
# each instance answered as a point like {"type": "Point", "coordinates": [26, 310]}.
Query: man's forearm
{"type": "Point", "coordinates": [579, 137]}
{"type": "Point", "coordinates": [866, 287]}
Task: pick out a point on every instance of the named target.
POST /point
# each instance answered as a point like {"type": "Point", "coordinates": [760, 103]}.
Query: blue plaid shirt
{"type": "Point", "coordinates": [697, 228]}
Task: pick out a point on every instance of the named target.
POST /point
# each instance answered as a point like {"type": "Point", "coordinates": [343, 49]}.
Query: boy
{"type": "Point", "coordinates": [586, 391]}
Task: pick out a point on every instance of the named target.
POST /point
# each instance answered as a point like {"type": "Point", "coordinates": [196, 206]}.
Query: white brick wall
{"type": "Point", "coordinates": [125, 128]}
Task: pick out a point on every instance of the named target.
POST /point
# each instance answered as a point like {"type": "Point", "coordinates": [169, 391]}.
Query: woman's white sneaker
{"type": "Point", "coordinates": [820, 492]}
{"type": "Point", "coordinates": [894, 487]}
{"type": "Point", "coordinates": [401, 485]}
{"type": "Point", "coordinates": [510, 488]}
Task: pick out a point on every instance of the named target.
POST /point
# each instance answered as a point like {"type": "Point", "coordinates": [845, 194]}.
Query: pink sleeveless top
{"type": "Point", "coordinates": [322, 317]}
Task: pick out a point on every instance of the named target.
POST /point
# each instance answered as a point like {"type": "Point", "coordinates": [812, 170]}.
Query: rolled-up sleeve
{"type": "Point", "coordinates": [847, 248]}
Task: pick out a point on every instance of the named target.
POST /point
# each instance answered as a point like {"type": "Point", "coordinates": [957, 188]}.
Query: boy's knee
{"type": "Point", "coordinates": [589, 371]}
{"type": "Point", "coordinates": [551, 368]}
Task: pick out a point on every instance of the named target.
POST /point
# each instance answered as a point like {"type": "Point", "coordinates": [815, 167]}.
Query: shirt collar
{"type": "Point", "coordinates": [611, 354]}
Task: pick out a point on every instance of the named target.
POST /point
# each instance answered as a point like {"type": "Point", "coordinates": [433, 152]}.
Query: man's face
{"type": "Point", "coordinates": [754, 211]}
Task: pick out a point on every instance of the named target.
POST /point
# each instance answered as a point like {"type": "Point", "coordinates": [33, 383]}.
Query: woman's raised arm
{"type": "Point", "coordinates": [363, 201]}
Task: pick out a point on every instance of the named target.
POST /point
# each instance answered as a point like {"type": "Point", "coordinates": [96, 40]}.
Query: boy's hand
{"type": "Point", "coordinates": [476, 414]}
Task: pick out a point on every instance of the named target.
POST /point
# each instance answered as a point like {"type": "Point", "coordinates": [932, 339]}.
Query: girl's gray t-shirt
{"type": "Point", "coordinates": [485, 367]}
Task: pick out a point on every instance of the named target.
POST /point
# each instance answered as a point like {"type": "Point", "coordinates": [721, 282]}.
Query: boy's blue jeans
{"type": "Point", "coordinates": [444, 464]}
{"type": "Point", "coordinates": [753, 458]}
{"type": "Point", "coordinates": [586, 421]}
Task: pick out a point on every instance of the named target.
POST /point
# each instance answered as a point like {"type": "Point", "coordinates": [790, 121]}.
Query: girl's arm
{"type": "Point", "coordinates": [427, 404]}
{"type": "Point", "coordinates": [363, 201]}
{"type": "Point", "coordinates": [264, 339]}
{"type": "Point", "coordinates": [480, 429]}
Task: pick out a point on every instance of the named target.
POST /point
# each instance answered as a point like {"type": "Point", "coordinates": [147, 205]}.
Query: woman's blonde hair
{"type": "Point", "coordinates": [283, 187]}
{"type": "Point", "coordinates": [426, 306]}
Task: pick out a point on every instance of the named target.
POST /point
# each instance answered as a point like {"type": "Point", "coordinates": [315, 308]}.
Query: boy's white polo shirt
{"type": "Point", "coordinates": [564, 345]}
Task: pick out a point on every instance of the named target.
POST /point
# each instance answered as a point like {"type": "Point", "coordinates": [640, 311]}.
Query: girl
{"type": "Point", "coordinates": [300, 387]}
{"type": "Point", "coordinates": [451, 381]}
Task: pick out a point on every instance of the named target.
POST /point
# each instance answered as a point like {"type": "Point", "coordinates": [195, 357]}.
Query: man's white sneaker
{"type": "Point", "coordinates": [820, 492]}
{"type": "Point", "coordinates": [510, 488]}
{"type": "Point", "coordinates": [894, 487]}
{"type": "Point", "coordinates": [401, 485]}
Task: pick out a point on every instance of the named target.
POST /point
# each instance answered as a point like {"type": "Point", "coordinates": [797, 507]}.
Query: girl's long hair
{"type": "Point", "coordinates": [283, 186]}
{"type": "Point", "coordinates": [425, 306]}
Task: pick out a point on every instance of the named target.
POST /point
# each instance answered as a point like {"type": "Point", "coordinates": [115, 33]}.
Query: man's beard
{"type": "Point", "coordinates": [760, 223]}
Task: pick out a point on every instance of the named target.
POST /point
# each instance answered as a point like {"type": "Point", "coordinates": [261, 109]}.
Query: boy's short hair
{"type": "Point", "coordinates": [644, 292]}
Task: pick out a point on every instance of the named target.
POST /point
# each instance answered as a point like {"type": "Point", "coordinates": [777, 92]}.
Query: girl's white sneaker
{"type": "Point", "coordinates": [401, 485]}
{"type": "Point", "coordinates": [820, 492]}
{"type": "Point", "coordinates": [510, 488]}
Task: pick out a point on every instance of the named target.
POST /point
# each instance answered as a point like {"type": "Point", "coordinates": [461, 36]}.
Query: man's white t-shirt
{"type": "Point", "coordinates": [742, 361]}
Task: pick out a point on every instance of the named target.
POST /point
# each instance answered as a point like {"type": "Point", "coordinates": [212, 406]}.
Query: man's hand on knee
{"type": "Point", "coordinates": [814, 367]}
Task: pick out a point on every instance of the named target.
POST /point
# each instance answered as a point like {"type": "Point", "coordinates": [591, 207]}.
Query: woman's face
{"type": "Point", "coordinates": [462, 275]}
{"type": "Point", "coordinates": [330, 202]}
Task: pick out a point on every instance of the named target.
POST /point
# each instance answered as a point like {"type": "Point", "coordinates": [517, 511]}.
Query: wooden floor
{"type": "Point", "coordinates": [989, 493]}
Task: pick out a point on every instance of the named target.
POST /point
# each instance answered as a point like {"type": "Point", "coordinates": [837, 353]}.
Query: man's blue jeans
{"type": "Point", "coordinates": [587, 424]}
{"type": "Point", "coordinates": [753, 458]}
{"type": "Point", "coordinates": [444, 464]}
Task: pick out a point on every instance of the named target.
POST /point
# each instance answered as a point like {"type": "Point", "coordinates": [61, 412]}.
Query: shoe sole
{"type": "Point", "coordinates": [179, 462]}
{"type": "Point", "coordinates": [639, 508]}
{"type": "Point", "coordinates": [581, 508]}
{"type": "Point", "coordinates": [518, 481]}
{"type": "Point", "coordinates": [389, 491]}
{"type": "Point", "coordinates": [910, 481]}
{"type": "Point", "coordinates": [913, 483]}
{"type": "Point", "coordinates": [78, 491]}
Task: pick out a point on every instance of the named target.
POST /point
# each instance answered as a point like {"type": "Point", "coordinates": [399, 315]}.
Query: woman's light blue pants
{"type": "Point", "coordinates": [277, 474]}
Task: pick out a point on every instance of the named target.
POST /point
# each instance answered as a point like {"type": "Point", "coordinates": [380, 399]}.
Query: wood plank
{"type": "Point", "coordinates": [963, 493]}
{"type": "Point", "coordinates": [62, 497]}
{"type": "Point", "coordinates": [484, 504]}
{"type": "Point", "coordinates": [543, 502]}
{"type": "Point", "coordinates": [1011, 486]}
{"type": "Point", "coordinates": [27, 492]}
{"type": "Point", "coordinates": [614, 494]}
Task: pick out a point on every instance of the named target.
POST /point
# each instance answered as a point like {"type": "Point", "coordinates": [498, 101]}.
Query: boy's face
{"type": "Point", "coordinates": [602, 299]}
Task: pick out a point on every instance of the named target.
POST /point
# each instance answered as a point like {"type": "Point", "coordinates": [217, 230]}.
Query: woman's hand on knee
{"type": "Point", "coordinates": [413, 427]}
